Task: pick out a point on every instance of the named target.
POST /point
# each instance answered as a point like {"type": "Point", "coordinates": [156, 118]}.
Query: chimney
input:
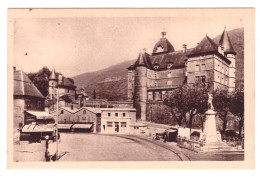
{"type": "Point", "coordinates": [222, 50]}
{"type": "Point", "coordinates": [71, 106]}
{"type": "Point", "coordinates": [163, 34]}
{"type": "Point", "coordinates": [60, 79]}
{"type": "Point", "coordinates": [219, 48]}
{"type": "Point", "coordinates": [14, 68]}
{"type": "Point", "coordinates": [184, 46]}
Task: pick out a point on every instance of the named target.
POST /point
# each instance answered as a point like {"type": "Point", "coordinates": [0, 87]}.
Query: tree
{"type": "Point", "coordinates": [188, 101]}
{"type": "Point", "coordinates": [41, 80]}
{"type": "Point", "coordinates": [66, 98]}
{"type": "Point", "coordinates": [221, 101]}
{"type": "Point", "coordinates": [172, 101]}
{"type": "Point", "coordinates": [94, 94]}
{"type": "Point", "coordinates": [237, 107]}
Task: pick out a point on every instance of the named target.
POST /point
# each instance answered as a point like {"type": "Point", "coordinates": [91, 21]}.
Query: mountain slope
{"type": "Point", "coordinates": [111, 83]}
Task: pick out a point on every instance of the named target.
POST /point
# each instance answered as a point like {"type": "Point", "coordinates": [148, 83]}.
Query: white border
{"type": "Point", "coordinates": [101, 4]}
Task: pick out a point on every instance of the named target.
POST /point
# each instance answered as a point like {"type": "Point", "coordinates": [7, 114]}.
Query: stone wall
{"type": "Point", "coordinates": [140, 96]}
{"type": "Point", "coordinates": [21, 104]}
{"type": "Point", "coordinates": [18, 113]}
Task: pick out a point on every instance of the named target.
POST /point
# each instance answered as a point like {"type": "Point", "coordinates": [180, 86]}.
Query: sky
{"type": "Point", "coordinates": [77, 45]}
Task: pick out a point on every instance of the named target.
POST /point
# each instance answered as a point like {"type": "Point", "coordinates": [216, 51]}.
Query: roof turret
{"type": "Point", "coordinates": [142, 59]}
{"type": "Point", "coordinates": [226, 43]}
{"type": "Point", "coordinates": [163, 45]}
{"type": "Point", "coordinates": [53, 75]}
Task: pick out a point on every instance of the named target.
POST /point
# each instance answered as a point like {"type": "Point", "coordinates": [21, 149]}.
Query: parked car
{"type": "Point", "coordinates": [171, 134]}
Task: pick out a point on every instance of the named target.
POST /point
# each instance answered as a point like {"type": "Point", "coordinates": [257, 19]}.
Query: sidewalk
{"type": "Point", "coordinates": [188, 155]}
{"type": "Point", "coordinates": [191, 155]}
{"type": "Point", "coordinates": [25, 152]}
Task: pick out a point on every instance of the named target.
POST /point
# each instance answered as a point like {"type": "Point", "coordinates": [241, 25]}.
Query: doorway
{"type": "Point", "coordinates": [116, 126]}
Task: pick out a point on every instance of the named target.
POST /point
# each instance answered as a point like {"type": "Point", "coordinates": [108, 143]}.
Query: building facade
{"type": "Point", "coordinates": [100, 120]}
{"type": "Point", "coordinates": [26, 97]}
{"type": "Point", "coordinates": [69, 117]}
{"type": "Point", "coordinates": [60, 83]}
{"type": "Point", "coordinates": [152, 76]}
{"type": "Point", "coordinates": [68, 93]}
{"type": "Point", "coordinates": [117, 120]}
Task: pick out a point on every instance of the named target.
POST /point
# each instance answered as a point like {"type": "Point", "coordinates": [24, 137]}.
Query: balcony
{"type": "Point", "coordinates": [167, 87]}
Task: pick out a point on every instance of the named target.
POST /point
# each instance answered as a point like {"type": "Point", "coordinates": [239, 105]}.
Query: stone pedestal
{"type": "Point", "coordinates": [212, 143]}
{"type": "Point", "coordinates": [210, 130]}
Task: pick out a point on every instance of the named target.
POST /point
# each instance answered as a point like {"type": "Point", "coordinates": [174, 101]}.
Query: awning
{"type": "Point", "coordinates": [138, 125]}
{"type": "Point", "coordinates": [64, 126]}
{"type": "Point", "coordinates": [36, 128]}
{"type": "Point", "coordinates": [82, 126]}
{"type": "Point", "coordinates": [40, 114]}
{"type": "Point", "coordinates": [171, 130]}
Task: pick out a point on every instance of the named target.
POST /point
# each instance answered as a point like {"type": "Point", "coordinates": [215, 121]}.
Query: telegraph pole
{"type": "Point", "coordinates": [57, 152]}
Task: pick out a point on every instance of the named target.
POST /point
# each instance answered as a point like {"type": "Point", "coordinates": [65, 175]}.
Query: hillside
{"type": "Point", "coordinates": [112, 90]}
{"type": "Point", "coordinates": [111, 83]}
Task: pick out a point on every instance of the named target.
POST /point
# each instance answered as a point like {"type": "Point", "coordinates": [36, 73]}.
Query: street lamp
{"type": "Point", "coordinates": [57, 152]}
{"type": "Point", "coordinates": [57, 134]}
{"type": "Point", "coordinates": [151, 113]}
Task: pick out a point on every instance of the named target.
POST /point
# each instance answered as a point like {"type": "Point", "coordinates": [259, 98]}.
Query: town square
{"type": "Point", "coordinates": [113, 89]}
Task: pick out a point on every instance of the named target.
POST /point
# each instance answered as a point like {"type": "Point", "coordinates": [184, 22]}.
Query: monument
{"type": "Point", "coordinates": [212, 142]}
{"type": "Point", "coordinates": [210, 130]}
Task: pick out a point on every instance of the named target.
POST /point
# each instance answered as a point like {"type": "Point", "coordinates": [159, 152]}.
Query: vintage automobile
{"type": "Point", "coordinates": [37, 125]}
{"type": "Point", "coordinates": [35, 133]}
{"type": "Point", "coordinates": [169, 135]}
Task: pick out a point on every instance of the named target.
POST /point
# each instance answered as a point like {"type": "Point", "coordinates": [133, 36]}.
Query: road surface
{"type": "Point", "coordinates": [97, 147]}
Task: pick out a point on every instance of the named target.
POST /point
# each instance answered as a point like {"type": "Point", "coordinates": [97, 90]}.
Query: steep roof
{"type": "Point", "coordinates": [177, 59]}
{"type": "Point", "coordinates": [226, 43]}
{"type": "Point", "coordinates": [53, 75]}
{"type": "Point", "coordinates": [143, 59]}
{"type": "Point", "coordinates": [24, 86]}
{"type": "Point", "coordinates": [165, 45]}
{"type": "Point", "coordinates": [206, 45]}
{"type": "Point", "coordinates": [66, 82]}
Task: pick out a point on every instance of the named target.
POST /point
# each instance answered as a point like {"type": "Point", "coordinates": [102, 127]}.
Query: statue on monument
{"type": "Point", "coordinates": [210, 104]}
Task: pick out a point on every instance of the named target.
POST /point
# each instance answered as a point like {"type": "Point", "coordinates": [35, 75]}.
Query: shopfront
{"type": "Point", "coordinates": [117, 120]}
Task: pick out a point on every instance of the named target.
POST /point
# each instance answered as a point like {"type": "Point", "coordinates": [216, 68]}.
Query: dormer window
{"type": "Point", "coordinates": [156, 66]}
{"type": "Point", "coordinates": [169, 65]}
{"type": "Point", "coordinates": [159, 49]}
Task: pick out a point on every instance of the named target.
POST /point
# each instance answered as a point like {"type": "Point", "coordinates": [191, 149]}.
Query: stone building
{"type": "Point", "coordinates": [26, 97]}
{"type": "Point", "coordinates": [68, 94]}
{"type": "Point", "coordinates": [103, 120]}
{"type": "Point", "coordinates": [117, 120]}
{"type": "Point", "coordinates": [152, 76]}
{"type": "Point", "coordinates": [78, 118]}
{"type": "Point", "coordinates": [63, 84]}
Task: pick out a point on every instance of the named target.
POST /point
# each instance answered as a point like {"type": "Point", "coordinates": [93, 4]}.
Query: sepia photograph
{"type": "Point", "coordinates": [159, 86]}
